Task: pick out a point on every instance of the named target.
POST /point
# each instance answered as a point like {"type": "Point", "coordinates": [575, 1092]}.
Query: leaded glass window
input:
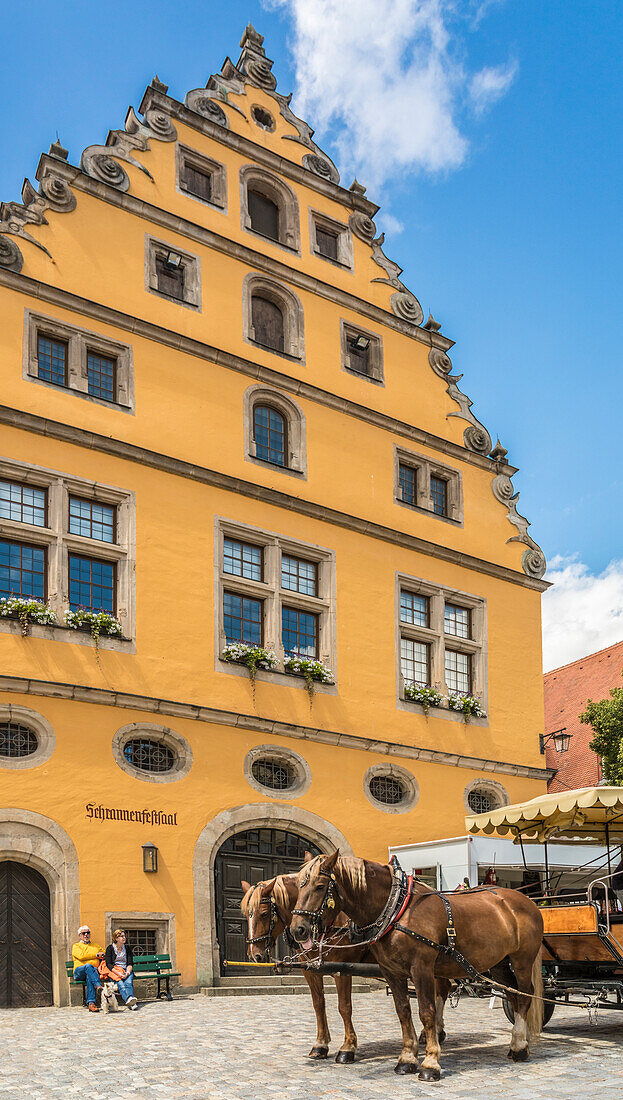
{"type": "Point", "coordinates": [413, 608]}
{"type": "Point", "coordinates": [242, 559]}
{"type": "Point", "coordinates": [456, 621]}
{"type": "Point", "coordinates": [91, 584]}
{"type": "Point", "coordinates": [408, 483]}
{"type": "Point", "coordinates": [270, 434]}
{"type": "Point", "coordinates": [414, 661]}
{"type": "Point", "coordinates": [299, 632]}
{"type": "Point", "coordinates": [439, 495]}
{"type": "Point", "coordinates": [298, 575]}
{"type": "Point", "coordinates": [242, 619]}
{"type": "Point", "coordinates": [91, 519]}
{"type": "Point", "coordinates": [22, 503]}
{"type": "Point", "coordinates": [22, 570]}
{"type": "Point", "coordinates": [457, 671]}
{"type": "Point", "coordinates": [101, 370]}
{"type": "Point", "coordinates": [52, 360]}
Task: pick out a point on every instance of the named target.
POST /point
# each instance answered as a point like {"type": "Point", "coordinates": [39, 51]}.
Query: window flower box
{"type": "Point", "coordinates": [26, 611]}
{"type": "Point", "coordinates": [468, 705]}
{"type": "Point", "coordinates": [252, 657]}
{"type": "Point", "coordinates": [312, 670]}
{"type": "Point", "coordinates": [427, 697]}
{"type": "Point", "coordinates": [95, 623]}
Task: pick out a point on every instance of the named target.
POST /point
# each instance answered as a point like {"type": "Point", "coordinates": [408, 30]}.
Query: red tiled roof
{"type": "Point", "coordinates": [567, 690]}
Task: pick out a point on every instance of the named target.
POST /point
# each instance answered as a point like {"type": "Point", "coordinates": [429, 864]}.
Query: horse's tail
{"type": "Point", "coordinates": [535, 1012]}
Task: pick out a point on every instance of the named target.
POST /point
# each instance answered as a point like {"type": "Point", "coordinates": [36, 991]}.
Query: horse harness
{"type": "Point", "coordinates": [274, 912]}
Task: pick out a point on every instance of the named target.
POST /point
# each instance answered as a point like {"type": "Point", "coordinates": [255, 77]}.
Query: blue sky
{"type": "Point", "coordinates": [490, 132]}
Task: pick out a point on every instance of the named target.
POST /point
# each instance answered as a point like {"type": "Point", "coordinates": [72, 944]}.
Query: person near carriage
{"type": "Point", "coordinates": [118, 967]}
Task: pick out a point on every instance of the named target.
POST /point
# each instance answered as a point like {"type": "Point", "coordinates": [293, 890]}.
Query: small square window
{"type": "Point", "coordinates": [101, 371]}
{"type": "Point", "coordinates": [91, 519]}
{"type": "Point", "coordinates": [241, 559]}
{"type": "Point", "coordinates": [362, 352]}
{"type": "Point", "coordinates": [22, 503]}
{"type": "Point", "coordinates": [170, 279]}
{"type": "Point", "coordinates": [456, 621]}
{"type": "Point", "coordinates": [242, 619]}
{"type": "Point", "coordinates": [439, 495]}
{"type": "Point", "coordinates": [52, 360]}
{"type": "Point", "coordinates": [407, 476]}
{"type": "Point", "coordinates": [200, 177]}
{"type": "Point", "coordinates": [91, 584]}
{"type": "Point", "coordinates": [22, 570]}
{"type": "Point", "coordinates": [326, 243]}
{"type": "Point", "coordinates": [413, 608]}
{"type": "Point", "coordinates": [298, 575]}
{"type": "Point", "coordinates": [414, 661]}
{"type": "Point", "coordinates": [196, 182]}
{"type": "Point", "coordinates": [458, 671]}
{"type": "Point", "coordinates": [299, 632]}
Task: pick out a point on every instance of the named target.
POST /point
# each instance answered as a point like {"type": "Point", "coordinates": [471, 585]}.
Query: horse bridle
{"type": "Point", "coordinates": [274, 912]}
{"type": "Point", "coordinates": [328, 902]}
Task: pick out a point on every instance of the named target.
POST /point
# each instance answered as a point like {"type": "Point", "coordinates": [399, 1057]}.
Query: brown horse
{"type": "Point", "coordinates": [268, 907]}
{"type": "Point", "coordinates": [497, 930]}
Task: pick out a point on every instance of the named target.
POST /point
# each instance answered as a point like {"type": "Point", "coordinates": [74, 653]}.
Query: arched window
{"type": "Point", "coordinates": [270, 435]}
{"type": "Point", "coordinates": [267, 322]}
{"type": "Point", "coordinates": [263, 215]}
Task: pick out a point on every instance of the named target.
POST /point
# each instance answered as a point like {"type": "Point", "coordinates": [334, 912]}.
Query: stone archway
{"type": "Point", "coordinates": [322, 833]}
{"type": "Point", "coordinates": [30, 838]}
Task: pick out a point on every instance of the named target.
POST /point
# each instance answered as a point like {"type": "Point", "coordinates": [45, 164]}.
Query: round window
{"type": "Point", "coordinates": [482, 801]}
{"type": "Point", "coordinates": [388, 789]}
{"type": "Point", "coordinates": [17, 740]}
{"type": "Point", "coordinates": [149, 756]}
{"type": "Point", "coordinates": [274, 773]}
{"type": "Point", "coordinates": [263, 118]}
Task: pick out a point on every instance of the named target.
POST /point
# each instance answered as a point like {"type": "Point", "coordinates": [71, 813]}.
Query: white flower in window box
{"type": "Point", "coordinates": [96, 623]}
{"type": "Point", "coordinates": [27, 611]}
{"type": "Point", "coordinates": [313, 671]}
{"type": "Point", "coordinates": [252, 657]}
{"type": "Point", "coordinates": [468, 705]}
{"type": "Point", "coordinates": [427, 697]}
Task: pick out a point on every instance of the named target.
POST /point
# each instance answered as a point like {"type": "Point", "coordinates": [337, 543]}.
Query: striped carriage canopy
{"type": "Point", "coordinates": [591, 813]}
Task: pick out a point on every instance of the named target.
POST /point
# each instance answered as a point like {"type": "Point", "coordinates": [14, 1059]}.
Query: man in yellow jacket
{"type": "Point", "coordinates": [84, 953]}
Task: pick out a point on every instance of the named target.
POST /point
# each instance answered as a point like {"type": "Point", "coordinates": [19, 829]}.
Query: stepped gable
{"type": "Point", "coordinates": [223, 109]}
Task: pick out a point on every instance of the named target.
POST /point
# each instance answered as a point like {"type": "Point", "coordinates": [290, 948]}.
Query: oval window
{"type": "Point", "coordinates": [17, 740]}
{"type": "Point", "coordinates": [149, 756]}
{"type": "Point", "coordinates": [274, 773]}
{"type": "Point", "coordinates": [482, 801]}
{"type": "Point", "coordinates": [388, 789]}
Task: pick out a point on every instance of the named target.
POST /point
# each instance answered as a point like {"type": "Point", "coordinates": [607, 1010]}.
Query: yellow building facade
{"type": "Point", "coordinates": [225, 419]}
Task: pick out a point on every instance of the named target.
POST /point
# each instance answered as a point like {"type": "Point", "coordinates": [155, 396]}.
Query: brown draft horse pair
{"type": "Point", "coordinates": [499, 931]}
{"type": "Point", "coordinates": [268, 908]}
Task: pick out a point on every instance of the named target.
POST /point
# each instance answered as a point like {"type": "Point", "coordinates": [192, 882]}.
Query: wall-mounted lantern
{"type": "Point", "coordinates": [150, 858]}
{"type": "Point", "coordinates": [561, 740]}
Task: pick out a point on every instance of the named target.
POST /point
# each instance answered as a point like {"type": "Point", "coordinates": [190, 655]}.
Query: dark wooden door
{"type": "Point", "coordinates": [25, 938]}
{"type": "Point", "coordinates": [254, 855]}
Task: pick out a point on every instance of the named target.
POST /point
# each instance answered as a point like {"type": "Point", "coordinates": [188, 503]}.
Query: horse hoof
{"type": "Point", "coordinates": [442, 1036]}
{"type": "Point", "coordinates": [519, 1055]}
{"type": "Point", "coordinates": [429, 1073]}
{"type": "Point", "coordinates": [318, 1052]}
{"type": "Point", "coordinates": [406, 1067]}
{"type": "Point", "coordinates": [345, 1057]}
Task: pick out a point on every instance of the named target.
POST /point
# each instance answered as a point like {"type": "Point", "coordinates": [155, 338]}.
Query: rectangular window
{"type": "Point", "coordinates": [458, 671]}
{"type": "Point", "coordinates": [101, 372]}
{"type": "Point", "coordinates": [142, 940]}
{"type": "Point", "coordinates": [22, 503]}
{"type": "Point", "coordinates": [197, 183]}
{"type": "Point", "coordinates": [91, 584]}
{"type": "Point", "coordinates": [326, 242]}
{"type": "Point", "coordinates": [22, 570]}
{"type": "Point", "coordinates": [91, 519]}
{"type": "Point", "coordinates": [170, 280]}
{"type": "Point", "coordinates": [362, 352]}
{"type": "Point", "coordinates": [413, 608]}
{"type": "Point", "coordinates": [242, 618]}
{"type": "Point", "coordinates": [456, 621]}
{"type": "Point", "coordinates": [299, 632]}
{"type": "Point", "coordinates": [298, 575]}
{"type": "Point", "coordinates": [241, 559]}
{"type": "Point", "coordinates": [52, 360]}
{"type": "Point", "coordinates": [414, 661]}
{"type": "Point", "coordinates": [439, 495]}
{"type": "Point", "coordinates": [359, 355]}
{"type": "Point", "coordinates": [407, 477]}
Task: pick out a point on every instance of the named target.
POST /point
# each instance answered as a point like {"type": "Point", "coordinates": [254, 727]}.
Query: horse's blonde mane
{"type": "Point", "coordinates": [351, 868]}
{"type": "Point", "coordinates": [280, 893]}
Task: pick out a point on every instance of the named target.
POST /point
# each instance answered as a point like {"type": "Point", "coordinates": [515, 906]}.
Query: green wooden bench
{"type": "Point", "coordinates": [144, 966]}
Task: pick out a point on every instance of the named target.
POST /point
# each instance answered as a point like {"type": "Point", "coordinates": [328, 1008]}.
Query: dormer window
{"type": "Point", "coordinates": [264, 215]}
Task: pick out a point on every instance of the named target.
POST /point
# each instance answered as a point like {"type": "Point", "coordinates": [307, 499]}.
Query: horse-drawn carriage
{"type": "Point", "coordinates": [582, 931]}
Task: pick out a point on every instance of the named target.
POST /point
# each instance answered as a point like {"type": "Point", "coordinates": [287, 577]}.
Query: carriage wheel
{"type": "Point", "coordinates": [548, 1011]}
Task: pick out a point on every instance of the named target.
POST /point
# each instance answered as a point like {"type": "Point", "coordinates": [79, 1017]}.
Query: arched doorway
{"type": "Point", "coordinates": [253, 854]}
{"type": "Point", "coordinates": [25, 938]}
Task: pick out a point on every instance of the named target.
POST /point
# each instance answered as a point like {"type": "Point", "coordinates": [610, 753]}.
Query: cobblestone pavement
{"type": "Point", "coordinates": [256, 1048]}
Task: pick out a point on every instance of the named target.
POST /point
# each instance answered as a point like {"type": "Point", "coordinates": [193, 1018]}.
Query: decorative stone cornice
{"type": "Point", "coordinates": [533, 560]}
{"type": "Point", "coordinates": [270, 727]}
{"type": "Point", "coordinates": [120, 448]}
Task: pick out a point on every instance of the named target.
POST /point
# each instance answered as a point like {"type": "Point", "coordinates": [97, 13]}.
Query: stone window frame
{"type": "Point", "coordinates": [158, 249]}
{"type": "Point", "coordinates": [300, 767]}
{"type": "Point", "coordinates": [348, 331]}
{"type": "Point", "coordinates": [59, 543]}
{"type": "Point", "coordinates": [276, 189]}
{"type": "Point", "coordinates": [41, 727]}
{"type": "Point", "coordinates": [296, 429]}
{"type": "Point", "coordinates": [80, 341]}
{"type": "Point", "coordinates": [164, 735]}
{"type": "Point", "coordinates": [217, 172]}
{"type": "Point", "coordinates": [257, 109]}
{"type": "Point", "coordinates": [290, 305]}
{"type": "Point", "coordinates": [272, 597]}
{"type": "Point", "coordinates": [491, 786]}
{"type": "Point", "coordinates": [437, 640]}
{"type": "Point", "coordinates": [345, 252]}
{"type": "Point", "coordinates": [162, 923]}
{"type": "Point", "coordinates": [425, 466]}
{"type": "Point", "coordinates": [412, 788]}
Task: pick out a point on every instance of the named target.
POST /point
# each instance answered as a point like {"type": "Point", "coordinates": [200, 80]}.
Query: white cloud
{"type": "Point", "coordinates": [583, 612]}
{"type": "Point", "coordinates": [387, 223]}
{"type": "Point", "coordinates": [387, 77]}
{"type": "Point", "coordinates": [489, 85]}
